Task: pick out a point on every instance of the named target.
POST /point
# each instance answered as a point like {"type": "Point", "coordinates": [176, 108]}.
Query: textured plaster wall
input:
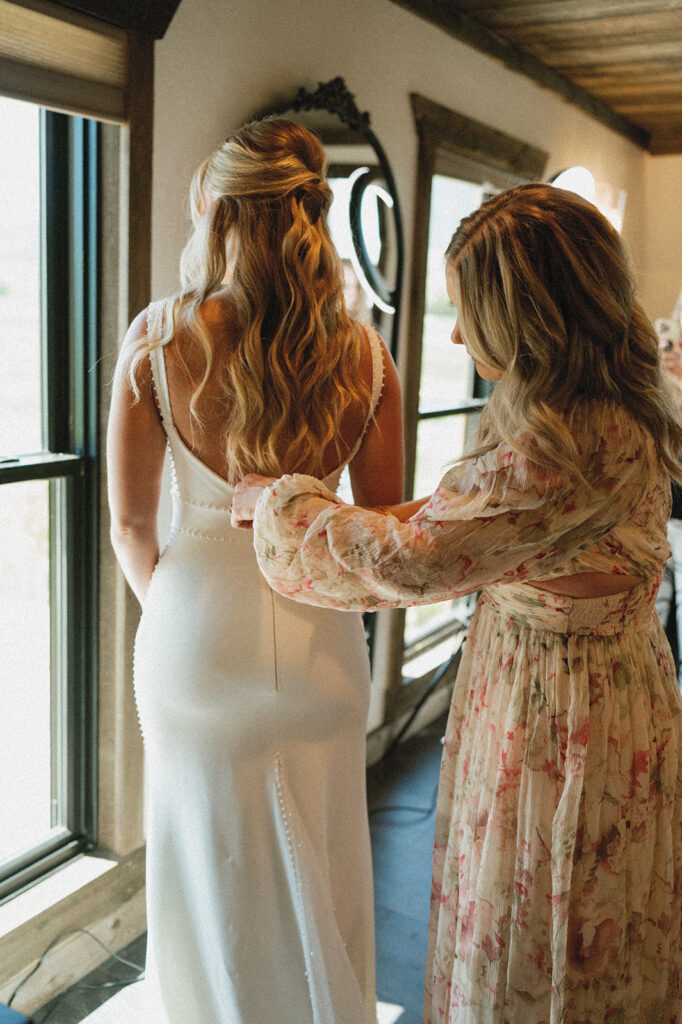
{"type": "Point", "coordinates": [660, 272]}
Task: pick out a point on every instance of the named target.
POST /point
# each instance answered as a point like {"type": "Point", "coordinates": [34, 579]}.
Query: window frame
{"type": "Point", "coordinates": [454, 145]}
{"type": "Point", "coordinates": [69, 371]}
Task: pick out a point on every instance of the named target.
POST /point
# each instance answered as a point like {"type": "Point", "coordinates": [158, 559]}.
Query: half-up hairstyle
{"type": "Point", "coordinates": [259, 204]}
{"type": "Point", "coordinates": [545, 294]}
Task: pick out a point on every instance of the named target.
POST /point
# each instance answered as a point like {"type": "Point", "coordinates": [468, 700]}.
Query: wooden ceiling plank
{"type": "Point", "coordinates": [562, 60]}
{"type": "Point", "coordinates": [656, 28]}
{"type": "Point", "coordinates": [645, 114]}
{"type": "Point", "coordinates": [459, 25]}
{"type": "Point", "coordinates": [641, 77]}
{"type": "Point", "coordinates": [666, 144]}
{"type": "Point", "coordinates": [651, 70]}
{"type": "Point", "coordinates": [548, 12]}
{"type": "Point", "coordinates": [633, 94]}
{"type": "Point", "coordinates": [658, 118]}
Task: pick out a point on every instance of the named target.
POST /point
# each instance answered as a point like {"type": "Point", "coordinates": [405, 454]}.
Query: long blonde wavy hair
{"type": "Point", "coordinates": [545, 294]}
{"type": "Point", "coordinates": [259, 205]}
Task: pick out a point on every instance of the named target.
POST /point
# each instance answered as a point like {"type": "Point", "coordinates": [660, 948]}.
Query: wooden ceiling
{"type": "Point", "coordinates": [621, 60]}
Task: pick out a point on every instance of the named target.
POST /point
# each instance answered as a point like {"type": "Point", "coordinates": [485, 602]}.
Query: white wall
{"type": "Point", "coordinates": [660, 273]}
{"type": "Point", "coordinates": [220, 63]}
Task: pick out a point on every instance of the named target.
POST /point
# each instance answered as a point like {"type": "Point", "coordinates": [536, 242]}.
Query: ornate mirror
{"type": "Point", "coordinates": [365, 216]}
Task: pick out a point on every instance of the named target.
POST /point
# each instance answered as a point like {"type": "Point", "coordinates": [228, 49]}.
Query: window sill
{"type": "Point", "coordinates": [97, 894]}
{"type": "Point", "coordinates": [59, 885]}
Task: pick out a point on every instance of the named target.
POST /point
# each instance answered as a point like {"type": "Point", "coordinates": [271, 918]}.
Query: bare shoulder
{"type": "Point", "coordinates": [130, 348]}
{"type": "Point", "coordinates": [219, 311]}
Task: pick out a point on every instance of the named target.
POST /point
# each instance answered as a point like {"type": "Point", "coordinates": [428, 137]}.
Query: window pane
{"type": "Point", "coordinates": [20, 392]}
{"type": "Point", "coordinates": [26, 811]}
{"type": "Point", "coordinates": [447, 373]}
{"type": "Point", "coordinates": [439, 442]}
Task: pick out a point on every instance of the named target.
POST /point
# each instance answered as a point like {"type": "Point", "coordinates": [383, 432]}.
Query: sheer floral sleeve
{"type": "Point", "coordinates": [500, 517]}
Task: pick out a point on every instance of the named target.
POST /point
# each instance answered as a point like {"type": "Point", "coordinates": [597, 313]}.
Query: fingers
{"type": "Point", "coordinates": [246, 495]}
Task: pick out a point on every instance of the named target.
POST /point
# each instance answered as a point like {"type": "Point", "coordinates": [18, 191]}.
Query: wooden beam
{"type": "Point", "coordinates": [467, 30]}
{"type": "Point", "coordinates": [613, 31]}
{"type": "Point", "coordinates": [573, 58]}
{"type": "Point", "coordinates": [552, 12]}
{"type": "Point", "coordinates": [666, 143]}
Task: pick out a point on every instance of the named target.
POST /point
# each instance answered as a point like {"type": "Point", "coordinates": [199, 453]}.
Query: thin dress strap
{"type": "Point", "coordinates": [158, 366]}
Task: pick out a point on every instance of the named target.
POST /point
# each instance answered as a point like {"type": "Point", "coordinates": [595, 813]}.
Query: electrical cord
{"type": "Point", "coordinates": [433, 683]}
{"type": "Point", "coordinates": [423, 812]}
{"type": "Point", "coordinates": [101, 985]}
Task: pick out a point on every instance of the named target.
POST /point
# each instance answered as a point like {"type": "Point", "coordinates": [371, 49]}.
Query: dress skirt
{"type": "Point", "coordinates": [253, 710]}
{"type": "Point", "coordinates": [558, 852]}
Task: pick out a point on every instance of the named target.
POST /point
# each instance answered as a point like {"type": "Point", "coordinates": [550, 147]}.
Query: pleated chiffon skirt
{"type": "Point", "coordinates": [558, 852]}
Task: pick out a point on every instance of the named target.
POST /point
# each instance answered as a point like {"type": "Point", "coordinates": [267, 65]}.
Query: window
{"type": "Point", "coordinates": [580, 180]}
{"type": "Point", "coordinates": [450, 397]}
{"type": "Point", "coordinates": [461, 163]}
{"type": "Point", "coordinates": [48, 489]}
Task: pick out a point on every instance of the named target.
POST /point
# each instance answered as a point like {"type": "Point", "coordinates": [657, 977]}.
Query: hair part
{"type": "Point", "coordinates": [546, 295]}
{"type": "Point", "coordinates": [259, 205]}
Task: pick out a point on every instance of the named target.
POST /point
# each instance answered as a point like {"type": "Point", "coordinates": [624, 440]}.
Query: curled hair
{"type": "Point", "coordinates": [259, 205]}
{"type": "Point", "coordinates": [545, 294]}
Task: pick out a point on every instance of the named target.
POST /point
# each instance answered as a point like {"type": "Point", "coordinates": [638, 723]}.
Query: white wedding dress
{"type": "Point", "coordinates": [253, 710]}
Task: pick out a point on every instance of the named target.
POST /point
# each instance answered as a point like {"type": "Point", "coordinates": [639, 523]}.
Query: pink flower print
{"type": "Point", "coordinates": [638, 833]}
{"type": "Point", "coordinates": [591, 948]}
{"type": "Point", "coordinates": [606, 848]}
{"type": "Point", "coordinates": [466, 932]}
{"type": "Point", "coordinates": [482, 819]}
{"type": "Point", "coordinates": [492, 946]}
{"type": "Point", "coordinates": [581, 734]}
{"type": "Point", "coordinates": [640, 766]}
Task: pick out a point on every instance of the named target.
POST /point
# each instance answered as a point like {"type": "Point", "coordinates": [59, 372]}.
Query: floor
{"type": "Point", "coordinates": [402, 796]}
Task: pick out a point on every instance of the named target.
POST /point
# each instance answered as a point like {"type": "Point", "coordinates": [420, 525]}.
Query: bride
{"type": "Point", "coordinates": [253, 708]}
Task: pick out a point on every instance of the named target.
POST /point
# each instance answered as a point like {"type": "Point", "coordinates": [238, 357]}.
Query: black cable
{"type": "Point", "coordinates": [104, 984]}
{"type": "Point", "coordinates": [433, 683]}
{"type": "Point", "coordinates": [51, 1007]}
{"type": "Point", "coordinates": [424, 812]}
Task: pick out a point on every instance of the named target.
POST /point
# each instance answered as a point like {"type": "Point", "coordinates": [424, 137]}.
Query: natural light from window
{"type": "Point", "coordinates": [25, 742]}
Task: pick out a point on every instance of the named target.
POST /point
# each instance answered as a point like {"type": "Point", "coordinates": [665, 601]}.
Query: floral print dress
{"type": "Point", "coordinates": [557, 869]}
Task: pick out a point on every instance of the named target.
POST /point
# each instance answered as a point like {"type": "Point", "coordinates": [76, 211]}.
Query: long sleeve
{"type": "Point", "coordinates": [500, 517]}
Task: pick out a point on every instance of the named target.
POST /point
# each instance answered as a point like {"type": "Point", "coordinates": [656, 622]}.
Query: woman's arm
{"type": "Point", "coordinates": [500, 517]}
{"type": "Point", "coordinates": [249, 489]}
{"type": "Point", "coordinates": [136, 446]}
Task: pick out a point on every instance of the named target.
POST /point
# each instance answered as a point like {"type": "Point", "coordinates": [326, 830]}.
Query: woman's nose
{"type": "Point", "coordinates": [456, 336]}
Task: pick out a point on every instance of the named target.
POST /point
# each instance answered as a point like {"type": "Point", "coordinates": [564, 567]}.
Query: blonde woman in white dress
{"type": "Point", "coordinates": [557, 868]}
{"type": "Point", "coordinates": [253, 709]}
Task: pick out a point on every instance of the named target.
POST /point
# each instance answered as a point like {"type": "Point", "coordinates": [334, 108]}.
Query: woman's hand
{"type": "Point", "coordinates": [246, 494]}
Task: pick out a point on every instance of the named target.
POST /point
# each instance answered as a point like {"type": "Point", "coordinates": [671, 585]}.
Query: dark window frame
{"type": "Point", "coordinates": [69, 462]}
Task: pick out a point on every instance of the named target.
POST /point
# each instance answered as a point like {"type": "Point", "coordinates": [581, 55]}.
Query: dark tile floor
{"type": "Point", "coordinates": [402, 796]}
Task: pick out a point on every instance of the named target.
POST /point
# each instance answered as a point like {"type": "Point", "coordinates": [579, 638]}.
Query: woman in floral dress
{"type": "Point", "coordinates": [557, 871]}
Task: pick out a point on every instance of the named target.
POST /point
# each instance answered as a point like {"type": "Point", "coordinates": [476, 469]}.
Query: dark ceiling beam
{"type": "Point", "coordinates": [150, 17]}
{"type": "Point", "coordinates": [462, 26]}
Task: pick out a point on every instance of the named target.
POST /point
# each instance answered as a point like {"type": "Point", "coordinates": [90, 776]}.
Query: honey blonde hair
{"type": "Point", "coordinates": [259, 204]}
{"type": "Point", "coordinates": [545, 294]}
